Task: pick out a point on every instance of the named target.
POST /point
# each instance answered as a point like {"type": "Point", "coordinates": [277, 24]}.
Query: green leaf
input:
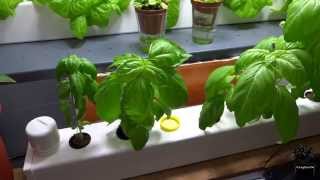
{"type": "Point", "coordinates": [90, 89]}
{"type": "Point", "coordinates": [286, 114]}
{"type": "Point", "coordinates": [247, 8]}
{"type": "Point", "coordinates": [79, 7]}
{"type": "Point", "coordinates": [249, 57]}
{"type": "Point", "coordinates": [80, 106]}
{"type": "Point", "coordinates": [305, 58]}
{"type": "Point", "coordinates": [219, 81]}
{"type": "Point", "coordinates": [301, 23]}
{"type": "Point", "coordinates": [124, 4]}
{"type": "Point", "coordinates": [67, 66]}
{"type": "Point", "coordinates": [272, 43]}
{"type": "Point", "coordinates": [173, 12]}
{"type": "Point", "coordinates": [65, 108]}
{"type": "Point", "coordinates": [139, 137]}
{"type": "Point", "coordinates": [108, 99]}
{"type": "Point", "coordinates": [253, 93]}
{"type": "Point", "coordinates": [166, 54]}
{"type": "Point", "coordinates": [137, 99]}
{"type": "Point", "coordinates": [314, 81]}
{"type": "Point", "coordinates": [14, 3]}
{"type": "Point", "coordinates": [77, 83]}
{"type": "Point", "coordinates": [100, 15]}
{"type": "Point", "coordinates": [174, 93]}
{"type": "Point", "coordinates": [289, 66]}
{"type": "Point", "coordinates": [160, 108]}
{"type": "Point", "coordinates": [7, 8]}
{"type": "Point", "coordinates": [6, 79]}
{"type": "Point", "coordinates": [61, 7]}
{"type": "Point", "coordinates": [88, 68]}
{"type": "Point", "coordinates": [211, 112]}
{"type": "Point", "coordinates": [40, 2]}
{"type": "Point", "coordinates": [79, 27]}
{"type": "Point", "coordinates": [64, 89]}
{"type": "Point", "coordinates": [124, 60]}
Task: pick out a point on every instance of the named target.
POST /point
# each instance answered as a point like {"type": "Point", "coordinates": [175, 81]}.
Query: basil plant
{"type": "Point", "coordinates": [85, 13]}
{"type": "Point", "coordinates": [140, 90]}
{"type": "Point", "coordinates": [76, 83]}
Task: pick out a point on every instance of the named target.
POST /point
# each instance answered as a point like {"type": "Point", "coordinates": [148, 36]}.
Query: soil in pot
{"type": "Point", "coordinates": [79, 140]}
{"type": "Point", "coordinates": [151, 24]}
{"type": "Point", "coordinates": [121, 134]}
{"type": "Point", "coordinates": [204, 16]}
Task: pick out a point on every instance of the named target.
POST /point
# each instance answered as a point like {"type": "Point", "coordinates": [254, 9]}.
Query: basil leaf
{"type": "Point", "coordinates": [61, 7]}
{"type": "Point", "coordinates": [100, 15]}
{"type": "Point", "coordinates": [247, 8]}
{"type": "Point", "coordinates": [108, 98]}
{"type": "Point", "coordinates": [6, 79]}
{"type": "Point", "coordinates": [211, 112]}
{"type": "Point", "coordinates": [174, 93]}
{"type": "Point", "coordinates": [160, 108]}
{"type": "Point", "coordinates": [289, 66]}
{"type": "Point", "coordinates": [79, 8]}
{"type": "Point", "coordinates": [123, 4]}
{"type": "Point", "coordinates": [139, 137]}
{"type": "Point", "coordinates": [272, 43]}
{"type": "Point", "coordinates": [39, 2]}
{"type": "Point", "coordinates": [7, 8]}
{"type": "Point", "coordinates": [64, 89]}
{"type": "Point", "coordinates": [300, 23]}
{"type": "Point", "coordinates": [91, 89]}
{"type": "Point", "coordinates": [173, 12]}
{"type": "Point", "coordinates": [65, 108]}
{"type": "Point", "coordinates": [286, 114]}
{"type": "Point", "coordinates": [253, 93]}
{"type": "Point", "coordinates": [249, 57]}
{"type": "Point", "coordinates": [219, 81]}
{"type": "Point", "coordinates": [135, 105]}
{"type": "Point", "coordinates": [79, 27]}
{"type": "Point", "coordinates": [166, 54]}
{"type": "Point", "coordinates": [88, 68]}
{"type": "Point", "coordinates": [77, 83]}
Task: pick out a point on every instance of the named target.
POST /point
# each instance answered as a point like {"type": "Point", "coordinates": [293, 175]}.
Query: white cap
{"type": "Point", "coordinates": [43, 134]}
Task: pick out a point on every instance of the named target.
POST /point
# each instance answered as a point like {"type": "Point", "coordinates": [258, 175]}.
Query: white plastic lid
{"type": "Point", "coordinates": [41, 127]}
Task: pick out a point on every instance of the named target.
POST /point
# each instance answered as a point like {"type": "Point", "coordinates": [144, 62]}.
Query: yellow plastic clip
{"type": "Point", "coordinates": [169, 124]}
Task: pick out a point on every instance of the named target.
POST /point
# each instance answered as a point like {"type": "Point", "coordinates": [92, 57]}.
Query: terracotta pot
{"type": "Point", "coordinates": [151, 22]}
{"type": "Point", "coordinates": [195, 76]}
{"type": "Point", "coordinates": [6, 172]}
{"type": "Point", "coordinates": [208, 8]}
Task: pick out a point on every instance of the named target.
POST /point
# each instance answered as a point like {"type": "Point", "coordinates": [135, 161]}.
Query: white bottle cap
{"type": "Point", "coordinates": [43, 135]}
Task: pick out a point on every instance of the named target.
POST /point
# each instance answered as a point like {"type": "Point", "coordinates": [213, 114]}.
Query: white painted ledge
{"type": "Point", "coordinates": [107, 157]}
{"type": "Point", "coordinates": [35, 23]}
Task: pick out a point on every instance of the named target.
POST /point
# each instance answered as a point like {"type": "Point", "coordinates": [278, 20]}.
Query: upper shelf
{"type": "Point", "coordinates": [37, 60]}
{"type": "Point", "coordinates": [37, 23]}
